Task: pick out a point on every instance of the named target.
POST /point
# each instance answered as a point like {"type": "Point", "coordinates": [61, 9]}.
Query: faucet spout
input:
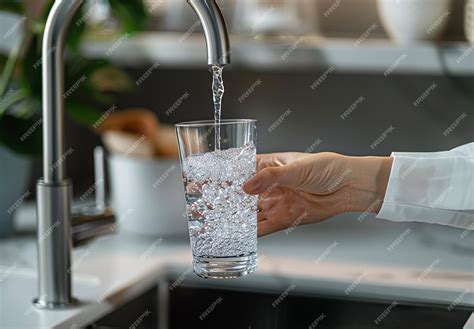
{"type": "Point", "coordinates": [215, 31]}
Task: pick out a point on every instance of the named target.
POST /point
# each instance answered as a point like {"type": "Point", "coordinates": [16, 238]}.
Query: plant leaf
{"type": "Point", "coordinates": [11, 6]}
{"type": "Point", "coordinates": [21, 135]}
{"type": "Point", "coordinates": [75, 32]}
{"type": "Point", "coordinates": [131, 14]}
{"type": "Point", "coordinates": [81, 113]}
{"type": "Point", "coordinates": [10, 97]}
{"type": "Point", "coordinates": [30, 68]}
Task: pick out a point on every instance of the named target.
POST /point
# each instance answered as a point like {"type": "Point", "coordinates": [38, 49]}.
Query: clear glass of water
{"type": "Point", "coordinates": [222, 219]}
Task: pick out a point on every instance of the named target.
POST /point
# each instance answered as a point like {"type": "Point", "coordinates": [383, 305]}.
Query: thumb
{"type": "Point", "coordinates": [269, 178]}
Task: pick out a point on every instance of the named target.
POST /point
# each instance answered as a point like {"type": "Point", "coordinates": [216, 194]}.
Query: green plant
{"type": "Point", "coordinates": [20, 79]}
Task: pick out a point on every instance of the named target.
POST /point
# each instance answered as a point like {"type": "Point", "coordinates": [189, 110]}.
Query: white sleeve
{"type": "Point", "coordinates": [433, 187]}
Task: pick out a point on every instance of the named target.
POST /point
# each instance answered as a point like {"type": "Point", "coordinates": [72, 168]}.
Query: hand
{"type": "Point", "coordinates": [301, 188]}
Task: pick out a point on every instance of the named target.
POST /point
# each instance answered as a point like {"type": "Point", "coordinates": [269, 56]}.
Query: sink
{"type": "Point", "coordinates": [177, 302]}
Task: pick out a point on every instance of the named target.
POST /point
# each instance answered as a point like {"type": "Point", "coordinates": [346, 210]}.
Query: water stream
{"type": "Point", "coordinates": [217, 93]}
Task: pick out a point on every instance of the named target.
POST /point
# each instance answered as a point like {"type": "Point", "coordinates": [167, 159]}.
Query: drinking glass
{"type": "Point", "coordinates": [222, 219]}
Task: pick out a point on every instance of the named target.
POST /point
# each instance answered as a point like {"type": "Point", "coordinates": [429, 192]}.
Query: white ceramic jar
{"type": "Point", "coordinates": [407, 21]}
{"type": "Point", "coordinates": [469, 21]}
{"type": "Point", "coordinates": [147, 195]}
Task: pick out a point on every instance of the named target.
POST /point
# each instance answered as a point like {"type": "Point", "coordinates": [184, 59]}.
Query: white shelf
{"type": "Point", "coordinates": [369, 56]}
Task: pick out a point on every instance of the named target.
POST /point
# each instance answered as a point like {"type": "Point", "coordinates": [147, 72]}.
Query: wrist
{"type": "Point", "coordinates": [368, 182]}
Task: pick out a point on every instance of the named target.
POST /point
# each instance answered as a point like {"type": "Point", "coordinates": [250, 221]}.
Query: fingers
{"type": "Point", "coordinates": [261, 217]}
{"type": "Point", "coordinates": [277, 159]}
{"type": "Point", "coordinates": [269, 226]}
{"type": "Point", "coordinates": [270, 178]}
{"type": "Point", "coordinates": [265, 227]}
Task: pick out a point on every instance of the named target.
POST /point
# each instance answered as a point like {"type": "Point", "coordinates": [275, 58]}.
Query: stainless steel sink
{"type": "Point", "coordinates": [182, 301]}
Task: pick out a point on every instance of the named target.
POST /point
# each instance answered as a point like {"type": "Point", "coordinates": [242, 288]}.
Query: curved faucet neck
{"type": "Point", "coordinates": [215, 31]}
{"type": "Point", "coordinates": [55, 31]}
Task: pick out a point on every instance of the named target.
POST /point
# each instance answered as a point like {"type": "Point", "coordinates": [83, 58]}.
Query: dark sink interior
{"type": "Point", "coordinates": [191, 305]}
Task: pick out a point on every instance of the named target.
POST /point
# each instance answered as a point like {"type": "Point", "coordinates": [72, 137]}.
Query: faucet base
{"type": "Point", "coordinates": [42, 304]}
{"type": "Point", "coordinates": [54, 244]}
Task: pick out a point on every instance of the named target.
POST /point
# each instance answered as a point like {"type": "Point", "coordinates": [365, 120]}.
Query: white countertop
{"type": "Point", "coordinates": [342, 257]}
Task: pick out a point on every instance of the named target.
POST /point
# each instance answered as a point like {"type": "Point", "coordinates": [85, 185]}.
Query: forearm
{"type": "Point", "coordinates": [368, 182]}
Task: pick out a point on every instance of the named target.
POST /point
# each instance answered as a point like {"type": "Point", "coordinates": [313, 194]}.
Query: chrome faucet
{"type": "Point", "coordinates": [54, 190]}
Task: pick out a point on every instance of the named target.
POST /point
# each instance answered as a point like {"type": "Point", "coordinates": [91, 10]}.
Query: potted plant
{"type": "Point", "coordinates": [21, 88]}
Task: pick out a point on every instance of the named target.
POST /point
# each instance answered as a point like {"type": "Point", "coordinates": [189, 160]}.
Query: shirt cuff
{"type": "Point", "coordinates": [431, 188]}
{"type": "Point", "coordinates": [410, 213]}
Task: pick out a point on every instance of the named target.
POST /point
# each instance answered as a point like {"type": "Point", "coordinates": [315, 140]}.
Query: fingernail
{"type": "Point", "coordinates": [252, 186]}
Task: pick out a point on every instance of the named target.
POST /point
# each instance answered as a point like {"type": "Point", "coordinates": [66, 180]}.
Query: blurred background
{"type": "Point", "coordinates": [358, 77]}
{"type": "Point", "coordinates": [334, 75]}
